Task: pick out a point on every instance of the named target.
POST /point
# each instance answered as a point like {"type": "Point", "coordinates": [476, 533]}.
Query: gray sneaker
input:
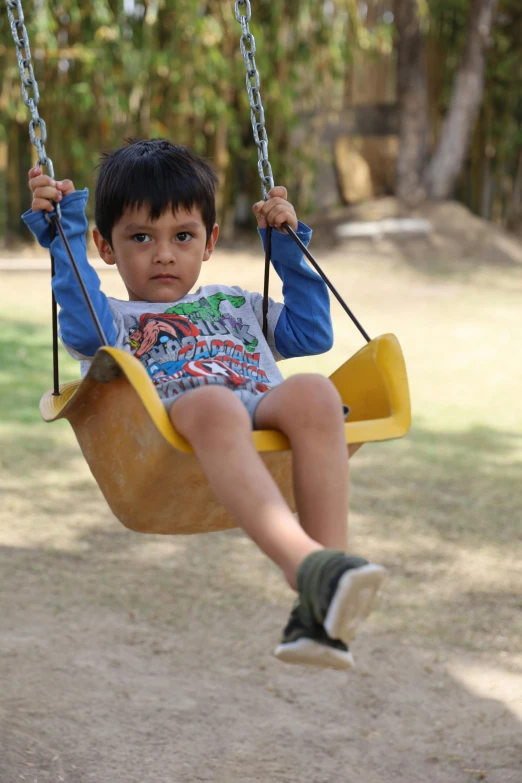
{"type": "Point", "coordinates": [305, 642]}
{"type": "Point", "coordinates": [338, 591]}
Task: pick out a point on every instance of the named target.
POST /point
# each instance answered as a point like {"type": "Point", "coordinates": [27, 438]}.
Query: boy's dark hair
{"type": "Point", "coordinates": [157, 174]}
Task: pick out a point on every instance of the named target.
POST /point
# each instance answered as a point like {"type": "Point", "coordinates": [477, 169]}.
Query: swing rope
{"type": "Point", "coordinates": [38, 137]}
{"type": "Point", "coordinates": [243, 11]}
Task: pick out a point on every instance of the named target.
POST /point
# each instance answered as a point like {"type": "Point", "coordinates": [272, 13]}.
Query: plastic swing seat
{"type": "Point", "coordinates": [148, 473]}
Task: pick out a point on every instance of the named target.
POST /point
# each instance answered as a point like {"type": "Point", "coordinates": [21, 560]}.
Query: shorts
{"type": "Point", "coordinates": [249, 400]}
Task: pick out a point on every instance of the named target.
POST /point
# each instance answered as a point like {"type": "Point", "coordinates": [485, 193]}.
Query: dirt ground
{"type": "Point", "coordinates": [128, 659]}
{"type": "Point", "coordinates": [139, 659]}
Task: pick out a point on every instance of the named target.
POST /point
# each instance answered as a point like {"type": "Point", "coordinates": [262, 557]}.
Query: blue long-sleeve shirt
{"type": "Point", "coordinates": [165, 336]}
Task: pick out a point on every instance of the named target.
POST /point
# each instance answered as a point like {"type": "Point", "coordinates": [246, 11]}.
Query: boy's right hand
{"type": "Point", "coordinates": [46, 190]}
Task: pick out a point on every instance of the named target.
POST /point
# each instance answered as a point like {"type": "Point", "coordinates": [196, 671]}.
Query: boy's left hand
{"type": "Point", "coordinates": [276, 210]}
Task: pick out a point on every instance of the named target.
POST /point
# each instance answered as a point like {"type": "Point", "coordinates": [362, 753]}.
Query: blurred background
{"type": "Point", "coordinates": [415, 98]}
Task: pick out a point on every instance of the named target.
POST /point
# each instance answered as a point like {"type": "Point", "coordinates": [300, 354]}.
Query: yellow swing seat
{"type": "Point", "coordinates": [148, 473]}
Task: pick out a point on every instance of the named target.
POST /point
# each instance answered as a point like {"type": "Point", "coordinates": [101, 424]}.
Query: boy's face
{"type": "Point", "coordinates": [159, 261]}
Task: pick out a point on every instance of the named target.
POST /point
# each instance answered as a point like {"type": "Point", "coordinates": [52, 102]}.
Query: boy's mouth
{"type": "Point", "coordinates": [164, 277]}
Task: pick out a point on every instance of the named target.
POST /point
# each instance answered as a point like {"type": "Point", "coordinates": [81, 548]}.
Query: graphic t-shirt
{"type": "Point", "coordinates": [212, 336]}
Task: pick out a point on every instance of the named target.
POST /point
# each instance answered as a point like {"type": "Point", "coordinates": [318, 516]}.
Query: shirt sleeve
{"type": "Point", "coordinates": [304, 326]}
{"type": "Point", "coordinates": [77, 329]}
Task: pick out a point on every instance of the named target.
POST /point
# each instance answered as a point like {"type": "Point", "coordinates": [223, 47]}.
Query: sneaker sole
{"type": "Point", "coordinates": [353, 601]}
{"type": "Point", "coordinates": [306, 652]}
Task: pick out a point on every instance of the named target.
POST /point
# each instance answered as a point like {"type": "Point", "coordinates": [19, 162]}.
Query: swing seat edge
{"type": "Point", "coordinates": [373, 382]}
{"type": "Point", "coordinates": [147, 472]}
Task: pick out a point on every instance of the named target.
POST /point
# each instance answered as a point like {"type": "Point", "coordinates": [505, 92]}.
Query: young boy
{"type": "Point", "coordinates": [216, 373]}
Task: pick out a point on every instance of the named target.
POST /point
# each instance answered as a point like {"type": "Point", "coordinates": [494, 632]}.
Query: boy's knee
{"type": "Point", "coordinates": [208, 409]}
{"type": "Point", "coordinates": [315, 398]}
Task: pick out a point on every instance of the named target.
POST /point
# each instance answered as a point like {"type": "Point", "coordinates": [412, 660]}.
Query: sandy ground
{"type": "Point", "coordinates": [127, 659]}
{"type": "Point", "coordinates": [137, 659]}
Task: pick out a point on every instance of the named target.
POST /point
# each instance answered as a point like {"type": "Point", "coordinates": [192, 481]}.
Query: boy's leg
{"type": "Point", "coordinates": [308, 410]}
{"type": "Point", "coordinates": [218, 427]}
{"type": "Point", "coordinates": [335, 590]}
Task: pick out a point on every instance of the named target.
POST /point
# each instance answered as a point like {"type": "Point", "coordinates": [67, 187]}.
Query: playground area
{"type": "Point", "coordinates": [128, 658]}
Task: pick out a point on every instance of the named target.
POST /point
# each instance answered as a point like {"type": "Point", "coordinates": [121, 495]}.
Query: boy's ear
{"type": "Point", "coordinates": [104, 249]}
{"type": "Point", "coordinates": [211, 242]}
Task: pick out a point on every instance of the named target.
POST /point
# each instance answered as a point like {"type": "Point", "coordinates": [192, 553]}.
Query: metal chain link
{"type": "Point", "coordinates": [37, 124]}
{"type": "Point", "coordinates": [37, 127]}
{"type": "Point", "coordinates": [257, 113]}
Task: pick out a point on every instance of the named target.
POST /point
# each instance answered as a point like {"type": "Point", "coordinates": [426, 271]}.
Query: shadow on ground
{"type": "Point", "coordinates": [122, 669]}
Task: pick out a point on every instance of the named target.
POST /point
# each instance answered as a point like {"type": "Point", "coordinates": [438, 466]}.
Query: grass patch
{"type": "Point", "coordinates": [26, 363]}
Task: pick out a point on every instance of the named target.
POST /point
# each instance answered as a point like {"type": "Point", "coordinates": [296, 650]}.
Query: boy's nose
{"type": "Point", "coordinates": [165, 255]}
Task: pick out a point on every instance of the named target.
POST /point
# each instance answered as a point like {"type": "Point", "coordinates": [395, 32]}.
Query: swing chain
{"type": "Point", "coordinates": [257, 112]}
{"type": "Point", "coordinates": [37, 127]}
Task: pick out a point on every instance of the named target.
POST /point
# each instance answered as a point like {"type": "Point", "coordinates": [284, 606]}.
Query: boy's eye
{"type": "Point", "coordinates": [182, 236]}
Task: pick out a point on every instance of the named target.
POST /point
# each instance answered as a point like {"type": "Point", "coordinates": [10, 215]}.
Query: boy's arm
{"type": "Point", "coordinates": [304, 326]}
{"type": "Point", "coordinates": [77, 329]}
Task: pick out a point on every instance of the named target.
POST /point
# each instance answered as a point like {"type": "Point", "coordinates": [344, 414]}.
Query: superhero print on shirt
{"type": "Point", "coordinates": [206, 314]}
{"type": "Point", "coordinates": [206, 371]}
{"type": "Point", "coordinates": [194, 344]}
{"type": "Point", "coordinates": [153, 329]}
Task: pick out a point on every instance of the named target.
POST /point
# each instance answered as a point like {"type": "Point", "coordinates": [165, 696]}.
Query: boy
{"type": "Point", "coordinates": [216, 373]}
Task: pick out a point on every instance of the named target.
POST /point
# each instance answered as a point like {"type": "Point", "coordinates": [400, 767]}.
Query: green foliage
{"type": "Point", "coordinates": [113, 69]}
{"type": "Point", "coordinates": [502, 115]}
{"type": "Point", "coordinates": [173, 68]}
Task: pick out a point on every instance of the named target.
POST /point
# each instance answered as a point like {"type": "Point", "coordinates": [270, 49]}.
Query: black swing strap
{"type": "Point", "coordinates": [94, 316]}
{"type": "Point", "coordinates": [243, 12]}
{"type": "Point", "coordinates": [38, 136]}
{"type": "Point", "coordinates": [268, 257]}
{"type": "Point", "coordinates": [54, 321]}
{"type": "Point", "coordinates": [56, 227]}
{"type": "Point", "coordinates": [327, 281]}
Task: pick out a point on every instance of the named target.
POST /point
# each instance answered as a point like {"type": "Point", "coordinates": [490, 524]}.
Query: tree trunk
{"type": "Point", "coordinates": [18, 164]}
{"type": "Point", "coordinates": [413, 102]}
{"type": "Point", "coordinates": [466, 97]}
{"type": "Point", "coordinates": [3, 190]}
{"type": "Point", "coordinates": [514, 210]}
